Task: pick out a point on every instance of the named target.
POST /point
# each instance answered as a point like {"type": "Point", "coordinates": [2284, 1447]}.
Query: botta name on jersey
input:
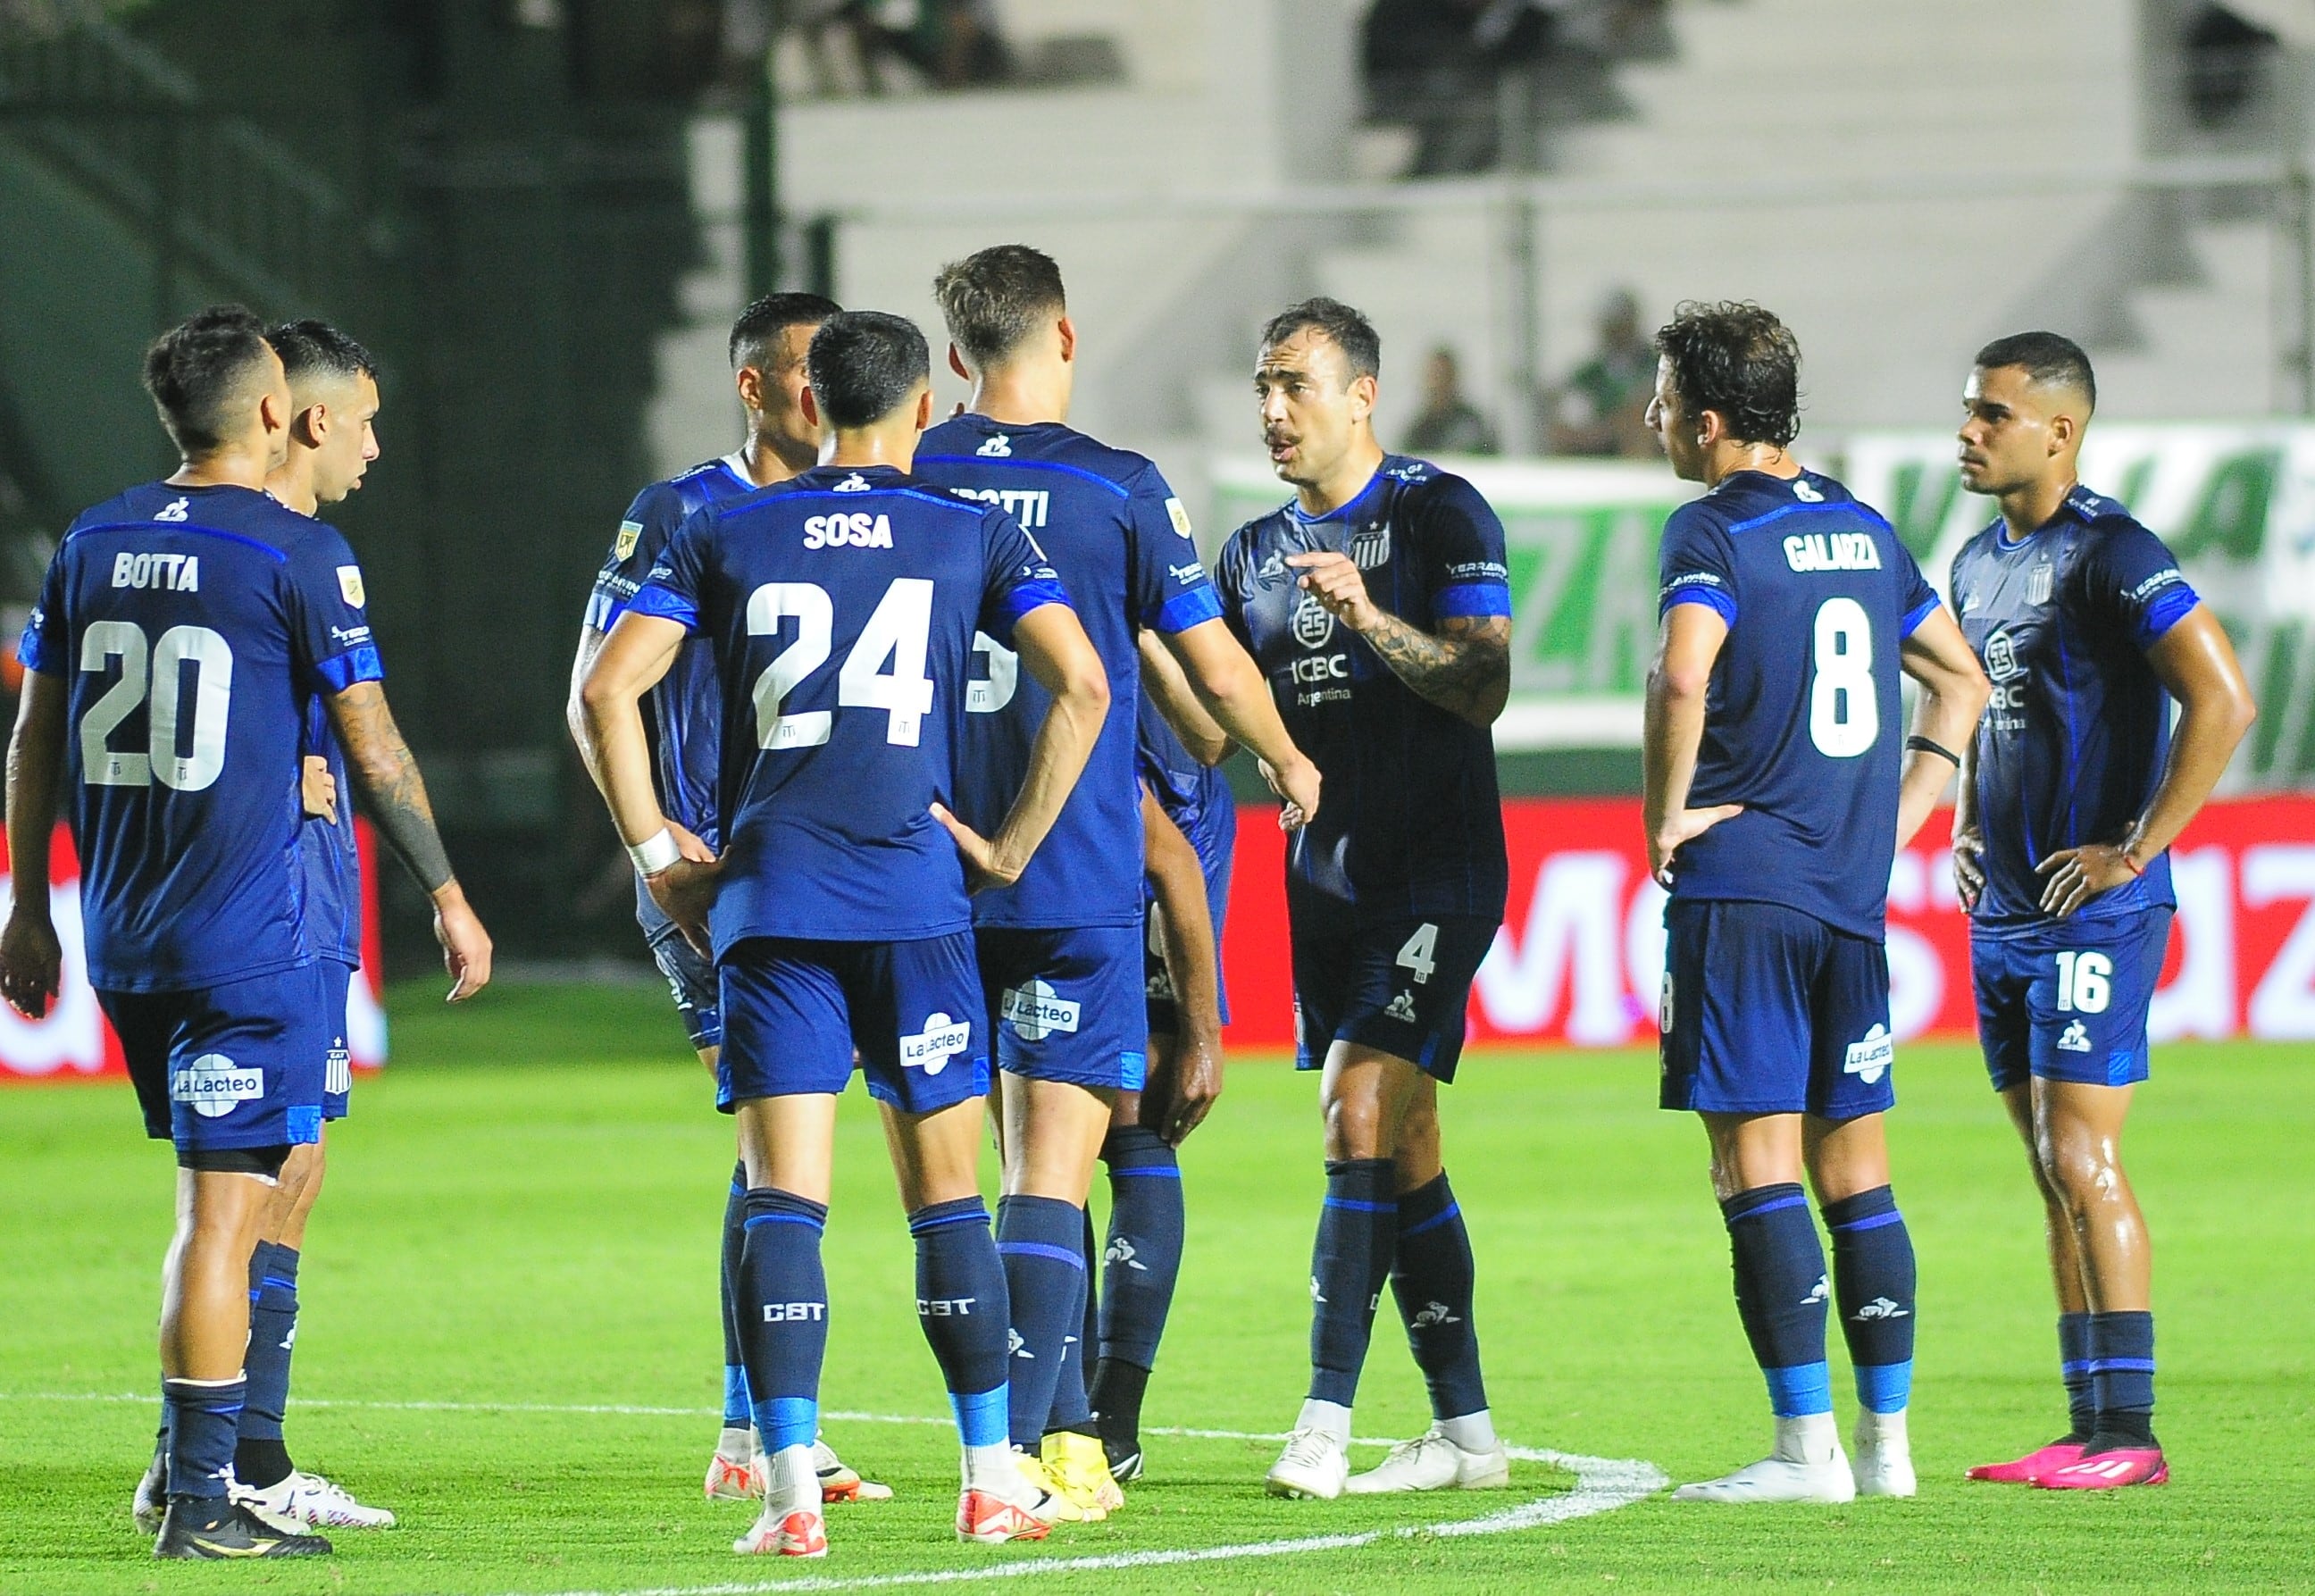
{"type": "Point", "coordinates": [176, 574]}
{"type": "Point", "coordinates": [1832, 551]}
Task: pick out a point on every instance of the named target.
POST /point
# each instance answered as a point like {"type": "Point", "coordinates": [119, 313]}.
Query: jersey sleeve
{"type": "Point", "coordinates": [1463, 566]}
{"type": "Point", "coordinates": [1696, 565]}
{"type": "Point", "coordinates": [1172, 591]}
{"type": "Point", "coordinates": [672, 584]}
{"type": "Point", "coordinates": [45, 646]}
{"type": "Point", "coordinates": [1915, 596]}
{"type": "Point", "coordinates": [1016, 576]}
{"type": "Point", "coordinates": [1229, 569]}
{"type": "Point", "coordinates": [643, 535]}
{"type": "Point", "coordinates": [329, 634]}
{"type": "Point", "coordinates": [2133, 580]}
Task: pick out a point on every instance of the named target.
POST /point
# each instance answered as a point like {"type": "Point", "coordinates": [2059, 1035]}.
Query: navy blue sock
{"type": "Point", "coordinates": [1358, 1232]}
{"type": "Point", "coordinates": [1039, 1239]}
{"type": "Point", "coordinates": [1873, 1282]}
{"type": "Point", "coordinates": [1089, 1325]}
{"type": "Point", "coordinates": [2121, 1372]}
{"type": "Point", "coordinates": [737, 1414]}
{"type": "Point", "coordinates": [1780, 1295]}
{"type": "Point", "coordinates": [1431, 1277]}
{"type": "Point", "coordinates": [782, 1298]}
{"type": "Point", "coordinates": [1072, 1398]}
{"type": "Point", "coordinates": [260, 1456]}
{"type": "Point", "coordinates": [1143, 1259]}
{"type": "Point", "coordinates": [2074, 1369]}
{"type": "Point", "coordinates": [966, 1313]}
{"type": "Point", "coordinates": [203, 1419]}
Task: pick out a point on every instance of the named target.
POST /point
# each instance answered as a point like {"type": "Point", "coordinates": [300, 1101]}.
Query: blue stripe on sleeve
{"type": "Point", "coordinates": [1191, 607]}
{"type": "Point", "coordinates": [652, 599]}
{"type": "Point", "coordinates": [1712, 599]}
{"type": "Point", "coordinates": [603, 610]}
{"type": "Point", "coordinates": [1023, 596]}
{"type": "Point", "coordinates": [1472, 599]}
{"type": "Point", "coordinates": [355, 665]}
{"type": "Point", "coordinates": [1914, 617]}
{"type": "Point", "coordinates": [28, 650]}
{"type": "Point", "coordinates": [2169, 608]}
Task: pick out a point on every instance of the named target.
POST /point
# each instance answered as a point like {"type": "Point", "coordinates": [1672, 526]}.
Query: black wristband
{"type": "Point", "coordinates": [1922, 745]}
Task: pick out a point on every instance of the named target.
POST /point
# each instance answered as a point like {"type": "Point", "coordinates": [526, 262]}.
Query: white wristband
{"type": "Point", "coordinates": [655, 852]}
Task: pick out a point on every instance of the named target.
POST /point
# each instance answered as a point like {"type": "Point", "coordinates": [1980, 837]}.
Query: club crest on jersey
{"type": "Point", "coordinates": [1178, 516]}
{"type": "Point", "coordinates": [1370, 545]}
{"type": "Point", "coordinates": [1870, 1059]}
{"type": "Point", "coordinates": [930, 1049]}
{"type": "Point", "coordinates": [858, 530]}
{"type": "Point", "coordinates": [1314, 624]}
{"type": "Point", "coordinates": [1832, 551]}
{"type": "Point", "coordinates": [349, 585]}
{"type": "Point", "coordinates": [630, 534]}
{"type": "Point", "coordinates": [855, 483]}
{"type": "Point", "coordinates": [2002, 658]}
{"type": "Point", "coordinates": [176, 509]}
{"type": "Point", "coordinates": [1036, 1012]}
{"type": "Point", "coordinates": [2038, 583]}
{"type": "Point", "coordinates": [213, 1084]}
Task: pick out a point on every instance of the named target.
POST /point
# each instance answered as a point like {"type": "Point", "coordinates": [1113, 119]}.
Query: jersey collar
{"type": "Point", "coordinates": [1340, 513]}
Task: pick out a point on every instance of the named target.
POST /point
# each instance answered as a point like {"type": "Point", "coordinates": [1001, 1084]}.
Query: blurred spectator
{"type": "Point", "coordinates": [877, 46]}
{"type": "Point", "coordinates": [1602, 409]}
{"type": "Point", "coordinates": [1450, 423]}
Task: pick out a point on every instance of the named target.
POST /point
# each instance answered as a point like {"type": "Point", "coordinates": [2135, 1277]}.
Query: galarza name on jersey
{"type": "Point", "coordinates": [1832, 551]}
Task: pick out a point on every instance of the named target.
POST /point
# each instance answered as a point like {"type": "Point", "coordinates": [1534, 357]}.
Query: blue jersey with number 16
{"type": "Point", "coordinates": [193, 626]}
{"type": "Point", "coordinates": [842, 606]}
{"type": "Point", "coordinates": [1802, 721]}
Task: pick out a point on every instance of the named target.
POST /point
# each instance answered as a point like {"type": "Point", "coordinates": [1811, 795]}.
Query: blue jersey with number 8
{"type": "Point", "coordinates": [193, 626]}
{"type": "Point", "coordinates": [1803, 717]}
{"type": "Point", "coordinates": [842, 607]}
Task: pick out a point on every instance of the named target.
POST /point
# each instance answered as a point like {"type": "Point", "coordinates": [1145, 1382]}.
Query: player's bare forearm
{"type": "Point", "coordinates": [1227, 682]}
{"type": "Point", "coordinates": [629, 661]}
{"type": "Point", "coordinates": [2195, 661]}
{"type": "Point", "coordinates": [1954, 694]}
{"type": "Point", "coordinates": [1168, 687]}
{"type": "Point", "coordinates": [1464, 668]}
{"type": "Point", "coordinates": [31, 959]}
{"type": "Point", "coordinates": [386, 771]}
{"type": "Point", "coordinates": [1671, 733]}
{"type": "Point", "coordinates": [1186, 936]}
{"type": "Point", "coordinates": [1054, 647]}
{"type": "Point", "coordinates": [574, 708]}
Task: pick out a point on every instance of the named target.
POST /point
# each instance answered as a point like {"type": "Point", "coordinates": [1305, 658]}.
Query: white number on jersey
{"type": "Point", "coordinates": [1844, 715]}
{"type": "Point", "coordinates": [2085, 983]}
{"type": "Point", "coordinates": [986, 697]}
{"type": "Point", "coordinates": [1417, 954]}
{"type": "Point", "coordinates": [899, 632]}
{"type": "Point", "coordinates": [157, 672]}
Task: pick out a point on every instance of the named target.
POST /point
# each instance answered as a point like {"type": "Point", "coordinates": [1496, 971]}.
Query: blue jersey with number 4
{"type": "Point", "coordinates": [842, 607]}
{"type": "Point", "coordinates": [1802, 720]}
{"type": "Point", "coordinates": [193, 626]}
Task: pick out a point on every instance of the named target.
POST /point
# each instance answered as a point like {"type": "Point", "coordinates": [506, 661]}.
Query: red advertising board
{"type": "Point", "coordinates": [1579, 958]}
{"type": "Point", "coordinates": [72, 1039]}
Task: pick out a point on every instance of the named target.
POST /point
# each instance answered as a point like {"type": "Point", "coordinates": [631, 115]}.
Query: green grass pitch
{"type": "Point", "coordinates": [520, 1224]}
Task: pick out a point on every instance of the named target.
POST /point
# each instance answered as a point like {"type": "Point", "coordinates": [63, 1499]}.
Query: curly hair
{"type": "Point", "coordinates": [1738, 359]}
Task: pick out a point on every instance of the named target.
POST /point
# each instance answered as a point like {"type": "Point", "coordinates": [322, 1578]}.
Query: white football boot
{"type": "Point", "coordinates": [1883, 1464]}
{"type": "Point", "coordinates": [1432, 1462]}
{"type": "Point", "coordinates": [1315, 1466]}
{"type": "Point", "coordinates": [791, 1524]}
{"type": "Point", "coordinates": [1807, 1465]}
{"type": "Point", "coordinates": [302, 1500]}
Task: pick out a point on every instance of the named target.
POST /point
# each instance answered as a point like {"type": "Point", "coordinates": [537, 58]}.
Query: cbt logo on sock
{"type": "Point", "coordinates": [795, 1313]}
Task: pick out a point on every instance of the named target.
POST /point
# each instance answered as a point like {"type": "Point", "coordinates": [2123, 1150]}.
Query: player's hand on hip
{"type": "Point", "coordinates": [32, 964]}
{"type": "Point", "coordinates": [319, 789]}
{"type": "Point", "coordinates": [1335, 582]}
{"type": "Point", "coordinates": [690, 846]}
{"type": "Point", "coordinates": [2075, 875]}
{"type": "Point", "coordinates": [684, 892]}
{"type": "Point", "coordinates": [983, 868]}
{"type": "Point", "coordinates": [465, 945]}
{"type": "Point", "coordinates": [1194, 1080]}
{"type": "Point", "coordinates": [1680, 829]}
{"type": "Point", "coordinates": [1968, 865]}
{"type": "Point", "coordinates": [1296, 787]}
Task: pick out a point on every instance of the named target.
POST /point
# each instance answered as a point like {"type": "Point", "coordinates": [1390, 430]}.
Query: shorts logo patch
{"type": "Point", "coordinates": [1314, 624]}
{"type": "Point", "coordinates": [349, 585]}
{"type": "Point", "coordinates": [1035, 1012]}
{"type": "Point", "coordinates": [213, 1086]}
{"type": "Point", "coordinates": [1869, 1058]}
{"type": "Point", "coordinates": [624, 547]}
{"type": "Point", "coordinates": [930, 1049]}
{"type": "Point", "coordinates": [2075, 1038]}
{"type": "Point", "coordinates": [337, 1071]}
{"type": "Point", "coordinates": [1401, 1007]}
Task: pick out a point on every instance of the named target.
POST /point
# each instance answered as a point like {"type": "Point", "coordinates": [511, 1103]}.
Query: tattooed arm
{"type": "Point", "coordinates": [386, 772]}
{"type": "Point", "coordinates": [1464, 668]}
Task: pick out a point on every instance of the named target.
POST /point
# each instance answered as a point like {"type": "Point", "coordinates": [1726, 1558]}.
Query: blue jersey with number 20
{"type": "Point", "coordinates": [842, 607]}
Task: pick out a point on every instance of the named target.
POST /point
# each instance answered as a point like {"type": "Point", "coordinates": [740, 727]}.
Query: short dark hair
{"type": "Point", "coordinates": [862, 365]}
{"type": "Point", "coordinates": [1349, 330]}
{"type": "Point", "coordinates": [198, 373]}
{"type": "Point", "coordinates": [2046, 358]}
{"type": "Point", "coordinates": [771, 315]}
{"type": "Point", "coordinates": [994, 298]}
{"type": "Point", "coordinates": [1738, 359]}
{"type": "Point", "coordinates": [311, 349]}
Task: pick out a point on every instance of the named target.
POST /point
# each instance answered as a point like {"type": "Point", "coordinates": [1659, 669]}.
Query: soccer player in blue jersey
{"type": "Point", "coordinates": [1774, 804]}
{"type": "Point", "coordinates": [842, 607]}
{"type": "Point", "coordinates": [682, 721]}
{"type": "Point", "coordinates": [1376, 602]}
{"type": "Point", "coordinates": [182, 628]}
{"type": "Point", "coordinates": [1061, 951]}
{"type": "Point", "coordinates": [2073, 791]}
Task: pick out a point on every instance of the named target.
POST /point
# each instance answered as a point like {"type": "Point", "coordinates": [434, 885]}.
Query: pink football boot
{"type": "Point", "coordinates": [2109, 1470]}
{"type": "Point", "coordinates": [2029, 1469]}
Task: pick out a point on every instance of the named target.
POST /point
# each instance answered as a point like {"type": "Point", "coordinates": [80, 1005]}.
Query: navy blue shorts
{"type": "Point", "coordinates": [2068, 1001]}
{"type": "Point", "coordinates": [794, 1010]}
{"type": "Point", "coordinates": [1768, 1010]}
{"type": "Point", "coordinates": [690, 979]}
{"type": "Point", "coordinates": [1403, 986]}
{"type": "Point", "coordinates": [1067, 1004]}
{"type": "Point", "coordinates": [240, 1066]}
{"type": "Point", "coordinates": [1164, 1019]}
{"type": "Point", "coordinates": [338, 1064]}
